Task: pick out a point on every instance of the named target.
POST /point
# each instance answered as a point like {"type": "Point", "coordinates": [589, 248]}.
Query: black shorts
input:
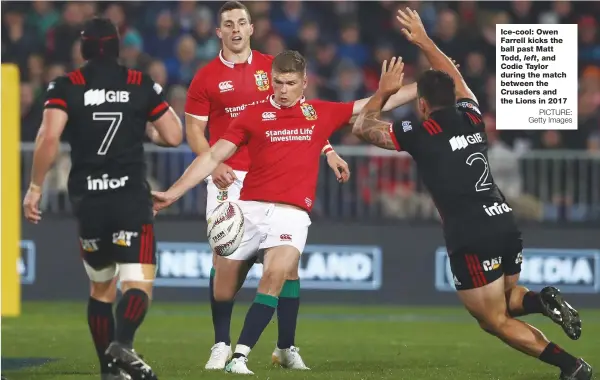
{"type": "Point", "coordinates": [480, 263]}
{"type": "Point", "coordinates": [116, 228]}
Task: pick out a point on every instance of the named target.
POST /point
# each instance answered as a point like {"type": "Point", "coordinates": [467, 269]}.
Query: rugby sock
{"type": "Point", "coordinates": [257, 319]}
{"type": "Point", "coordinates": [102, 327]}
{"type": "Point", "coordinates": [556, 356]}
{"type": "Point", "coordinates": [287, 313]}
{"type": "Point", "coordinates": [130, 314]}
{"type": "Point", "coordinates": [532, 303]}
{"type": "Point", "coordinates": [221, 314]}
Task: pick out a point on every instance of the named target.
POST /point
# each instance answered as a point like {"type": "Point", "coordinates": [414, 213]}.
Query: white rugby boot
{"type": "Point", "coordinates": [220, 354]}
{"type": "Point", "coordinates": [288, 358]}
{"type": "Point", "coordinates": [238, 365]}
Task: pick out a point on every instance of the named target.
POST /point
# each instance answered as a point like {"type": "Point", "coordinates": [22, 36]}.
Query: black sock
{"type": "Point", "coordinates": [221, 314]}
{"type": "Point", "coordinates": [287, 314]}
{"type": "Point", "coordinates": [130, 314]}
{"type": "Point", "coordinates": [532, 303]}
{"type": "Point", "coordinates": [556, 356]}
{"type": "Point", "coordinates": [256, 321]}
{"type": "Point", "coordinates": [102, 327]}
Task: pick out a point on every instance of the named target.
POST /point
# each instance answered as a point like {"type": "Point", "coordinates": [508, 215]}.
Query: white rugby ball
{"type": "Point", "coordinates": [225, 228]}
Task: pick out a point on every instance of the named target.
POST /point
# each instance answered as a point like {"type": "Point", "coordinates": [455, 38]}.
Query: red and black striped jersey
{"type": "Point", "coordinates": [108, 106]}
{"type": "Point", "coordinates": [450, 150]}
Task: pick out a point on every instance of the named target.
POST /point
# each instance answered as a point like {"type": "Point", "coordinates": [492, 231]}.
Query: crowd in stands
{"type": "Point", "coordinates": [344, 41]}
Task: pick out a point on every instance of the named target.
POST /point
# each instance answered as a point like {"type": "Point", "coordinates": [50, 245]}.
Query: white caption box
{"type": "Point", "coordinates": [536, 76]}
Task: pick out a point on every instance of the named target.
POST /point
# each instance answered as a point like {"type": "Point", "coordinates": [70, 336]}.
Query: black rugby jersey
{"type": "Point", "coordinates": [450, 150]}
{"type": "Point", "coordinates": [108, 106]}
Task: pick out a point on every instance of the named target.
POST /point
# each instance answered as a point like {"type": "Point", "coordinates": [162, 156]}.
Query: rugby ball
{"type": "Point", "coordinates": [225, 228]}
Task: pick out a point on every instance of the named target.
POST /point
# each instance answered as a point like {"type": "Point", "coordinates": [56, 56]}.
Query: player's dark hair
{"type": "Point", "coordinates": [231, 5]}
{"type": "Point", "coordinates": [437, 88]}
{"type": "Point", "coordinates": [289, 61]}
{"type": "Point", "coordinates": [99, 39]}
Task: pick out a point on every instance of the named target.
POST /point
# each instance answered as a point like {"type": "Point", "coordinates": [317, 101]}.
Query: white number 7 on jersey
{"type": "Point", "coordinates": [115, 119]}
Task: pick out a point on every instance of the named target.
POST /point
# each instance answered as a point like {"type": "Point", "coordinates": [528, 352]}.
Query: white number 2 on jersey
{"type": "Point", "coordinates": [115, 119]}
{"type": "Point", "coordinates": [482, 184]}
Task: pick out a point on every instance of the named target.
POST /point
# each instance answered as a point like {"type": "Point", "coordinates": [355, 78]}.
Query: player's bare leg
{"type": "Point", "coordinates": [136, 284]}
{"type": "Point", "coordinates": [279, 265]}
{"type": "Point", "coordinates": [225, 282]}
{"type": "Point", "coordinates": [549, 302]}
{"type": "Point", "coordinates": [488, 305]}
{"type": "Point", "coordinates": [103, 292]}
{"type": "Point", "coordinates": [286, 354]}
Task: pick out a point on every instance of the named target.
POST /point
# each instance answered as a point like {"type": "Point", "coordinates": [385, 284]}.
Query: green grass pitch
{"type": "Point", "coordinates": [341, 343]}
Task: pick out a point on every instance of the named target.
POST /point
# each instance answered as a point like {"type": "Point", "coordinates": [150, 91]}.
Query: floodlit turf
{"type": "Point", "coordinates": [342, 343]}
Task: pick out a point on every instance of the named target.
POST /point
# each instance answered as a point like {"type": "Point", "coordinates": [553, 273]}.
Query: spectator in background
{"type": "Point", "coordinates": [589, 43]}
{"type": "Point", "coordinates": [116, 14]}
{"type": "Point", "coordinates": [446, 35]}
{"type": "Point", "coordinates": [383, 51]}
{"type": "Point", "coordinates": [186, 16]}
{"type": "Point", "coordinates": [288, 20]}
{"type": "Point", "coordinates": [274, 44]}
{"type": "Point", "coordinates": [42, 17]}
{"type": "Point", "coordinates": [60, 39]}
{"type": "Point", "coordinates": [262, 30]}
{"type": "Point", "coordinates": [561, 12]}
{"type": "Point", "coordinates": [208, 45]}
{"type": "Point", "coordinates": [259, 9]}
{"type": "Point", "coordinates": [31, 113]}
{"type": "Point", "coordinates": [308, 39]}
{"type": "Point", "coordinates": [17, 41]}
{"type": "Point", "coordinates": [158, 72]}
{"type": "Point", "coordinates": [89, 9]}
{"type": "Point", "coordinates": [132, 51]}
{"type": "Point", "coordinates": [53, 72]}
{"type": "Point", "coordinates": [325, 64]}
{"type": "Point", "coordinates": [161, 42]}
{"type": "Point", "coordinates": [521, 12]}
{"type": "Point", "coordinates": [183, 67]}
{"type": "Point", "coordinates": [351, 48]}
{"type": "Point", "coordinates": [35, 73]}
{"type": "Point", "coordinates": [475, 73]}
{"type": "Point", "coordinates": [349, 83]}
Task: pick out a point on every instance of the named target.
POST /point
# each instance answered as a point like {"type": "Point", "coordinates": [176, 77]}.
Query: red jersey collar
{"type": "Point", "coordinates": [231, 64]}
{"type": "Point", "coordinates": [272, 101]}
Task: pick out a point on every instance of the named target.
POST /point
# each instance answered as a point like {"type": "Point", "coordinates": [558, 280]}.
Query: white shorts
{"type": "Point", "coordinates": [214, 195]}
{"type": "Point", "coordinates": [268, 225]}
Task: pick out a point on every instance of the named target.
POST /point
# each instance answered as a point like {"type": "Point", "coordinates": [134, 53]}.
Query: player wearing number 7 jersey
{"type": "Point", "coordinates": [483, 241]}
{"type": "Point", "coordinates": [103, 109]}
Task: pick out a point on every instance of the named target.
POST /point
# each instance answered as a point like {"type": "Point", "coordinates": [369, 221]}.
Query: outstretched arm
{"type": "Point", "coordinates": [405, 95]}
{"type": "Point", "coordinates": [414, 31]}
{"type": "Point", "coordinates": [201, 167]}
{"type": "Point", "coordinates": [368, 126]}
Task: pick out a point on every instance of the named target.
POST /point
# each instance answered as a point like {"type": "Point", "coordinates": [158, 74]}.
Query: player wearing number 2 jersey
{"type": "Point", "coordinates": [484, 243]}
{"type": "Point", "coordinates": [103, 109]}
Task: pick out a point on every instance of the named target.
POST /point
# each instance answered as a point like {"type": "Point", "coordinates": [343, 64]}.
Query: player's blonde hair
{"type": "Point", "coordinates": [289, 61]}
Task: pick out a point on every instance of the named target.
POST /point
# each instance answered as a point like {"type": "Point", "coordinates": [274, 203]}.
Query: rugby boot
{"type": "Point", "coordinates": [559, 310]}
{"type": "Point", "coordinates": [120, 375]}
{"type": "Point", "coordinates": [288, 358]}
{"type": "Point", "coordinates": [239, 366]}
{"type": "Point", "coordinates": [128, 360]}
{"type": "Point", "coordinates": [582, 371]}
{"type": "Point", "coordinates": [220, 354]}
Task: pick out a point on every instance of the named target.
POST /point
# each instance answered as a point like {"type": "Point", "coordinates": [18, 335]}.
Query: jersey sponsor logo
{"type": "Point", "coordinates": [497, 209]}
{"type": "Point", "coordinates": [98, 97]}
{"type": "Point", "coordinates": [461, 142]}
{"type": "Point", "coordinates": [285, 237]}
{"type": "Point", "coordinates": [266, 116]}
{"type": "Point", "coordinates": [89, 245]}
{"type": "Point", "coordinates": [157, 88]}
{"type": "Point", "coordinates": [468, 105]}
{"type": "Point", "coordinates": [226, 86]}
{"type": "Point", "coordinates": [406, 126]}
{"type": "Point", "coordinates": [289, 135]}
{"type": "Point", "coordinates": [323, 267]}
{"type": "Point", "coordinates": [105, 183]}
{"type": "Point", "coordinates": [123, 238]}
{"type": "Point", "coordinates": [262, 80]}
{"type": "Point", "coordinates": [26, 262]}
{"type": "Point", "coordinates": [572, 270]}
{"type": "Point", "coordinates": [235, 111]}
{"type": "Point", "coordinates": [308, 111]}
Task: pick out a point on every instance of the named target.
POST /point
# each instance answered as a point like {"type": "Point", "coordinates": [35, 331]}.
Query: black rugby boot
{"type": "Point", "coordinates": [129, 361]}
{"type": "Point", "coordinates": [583, 371]}
{"type": "Point", "coordinates": [559, 310]}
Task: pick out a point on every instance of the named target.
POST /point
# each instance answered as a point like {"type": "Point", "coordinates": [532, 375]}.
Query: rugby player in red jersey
{"type": "Point", "coordinates": [238, 78]}
{"type": "Point", "coordinates": [284, 137]}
